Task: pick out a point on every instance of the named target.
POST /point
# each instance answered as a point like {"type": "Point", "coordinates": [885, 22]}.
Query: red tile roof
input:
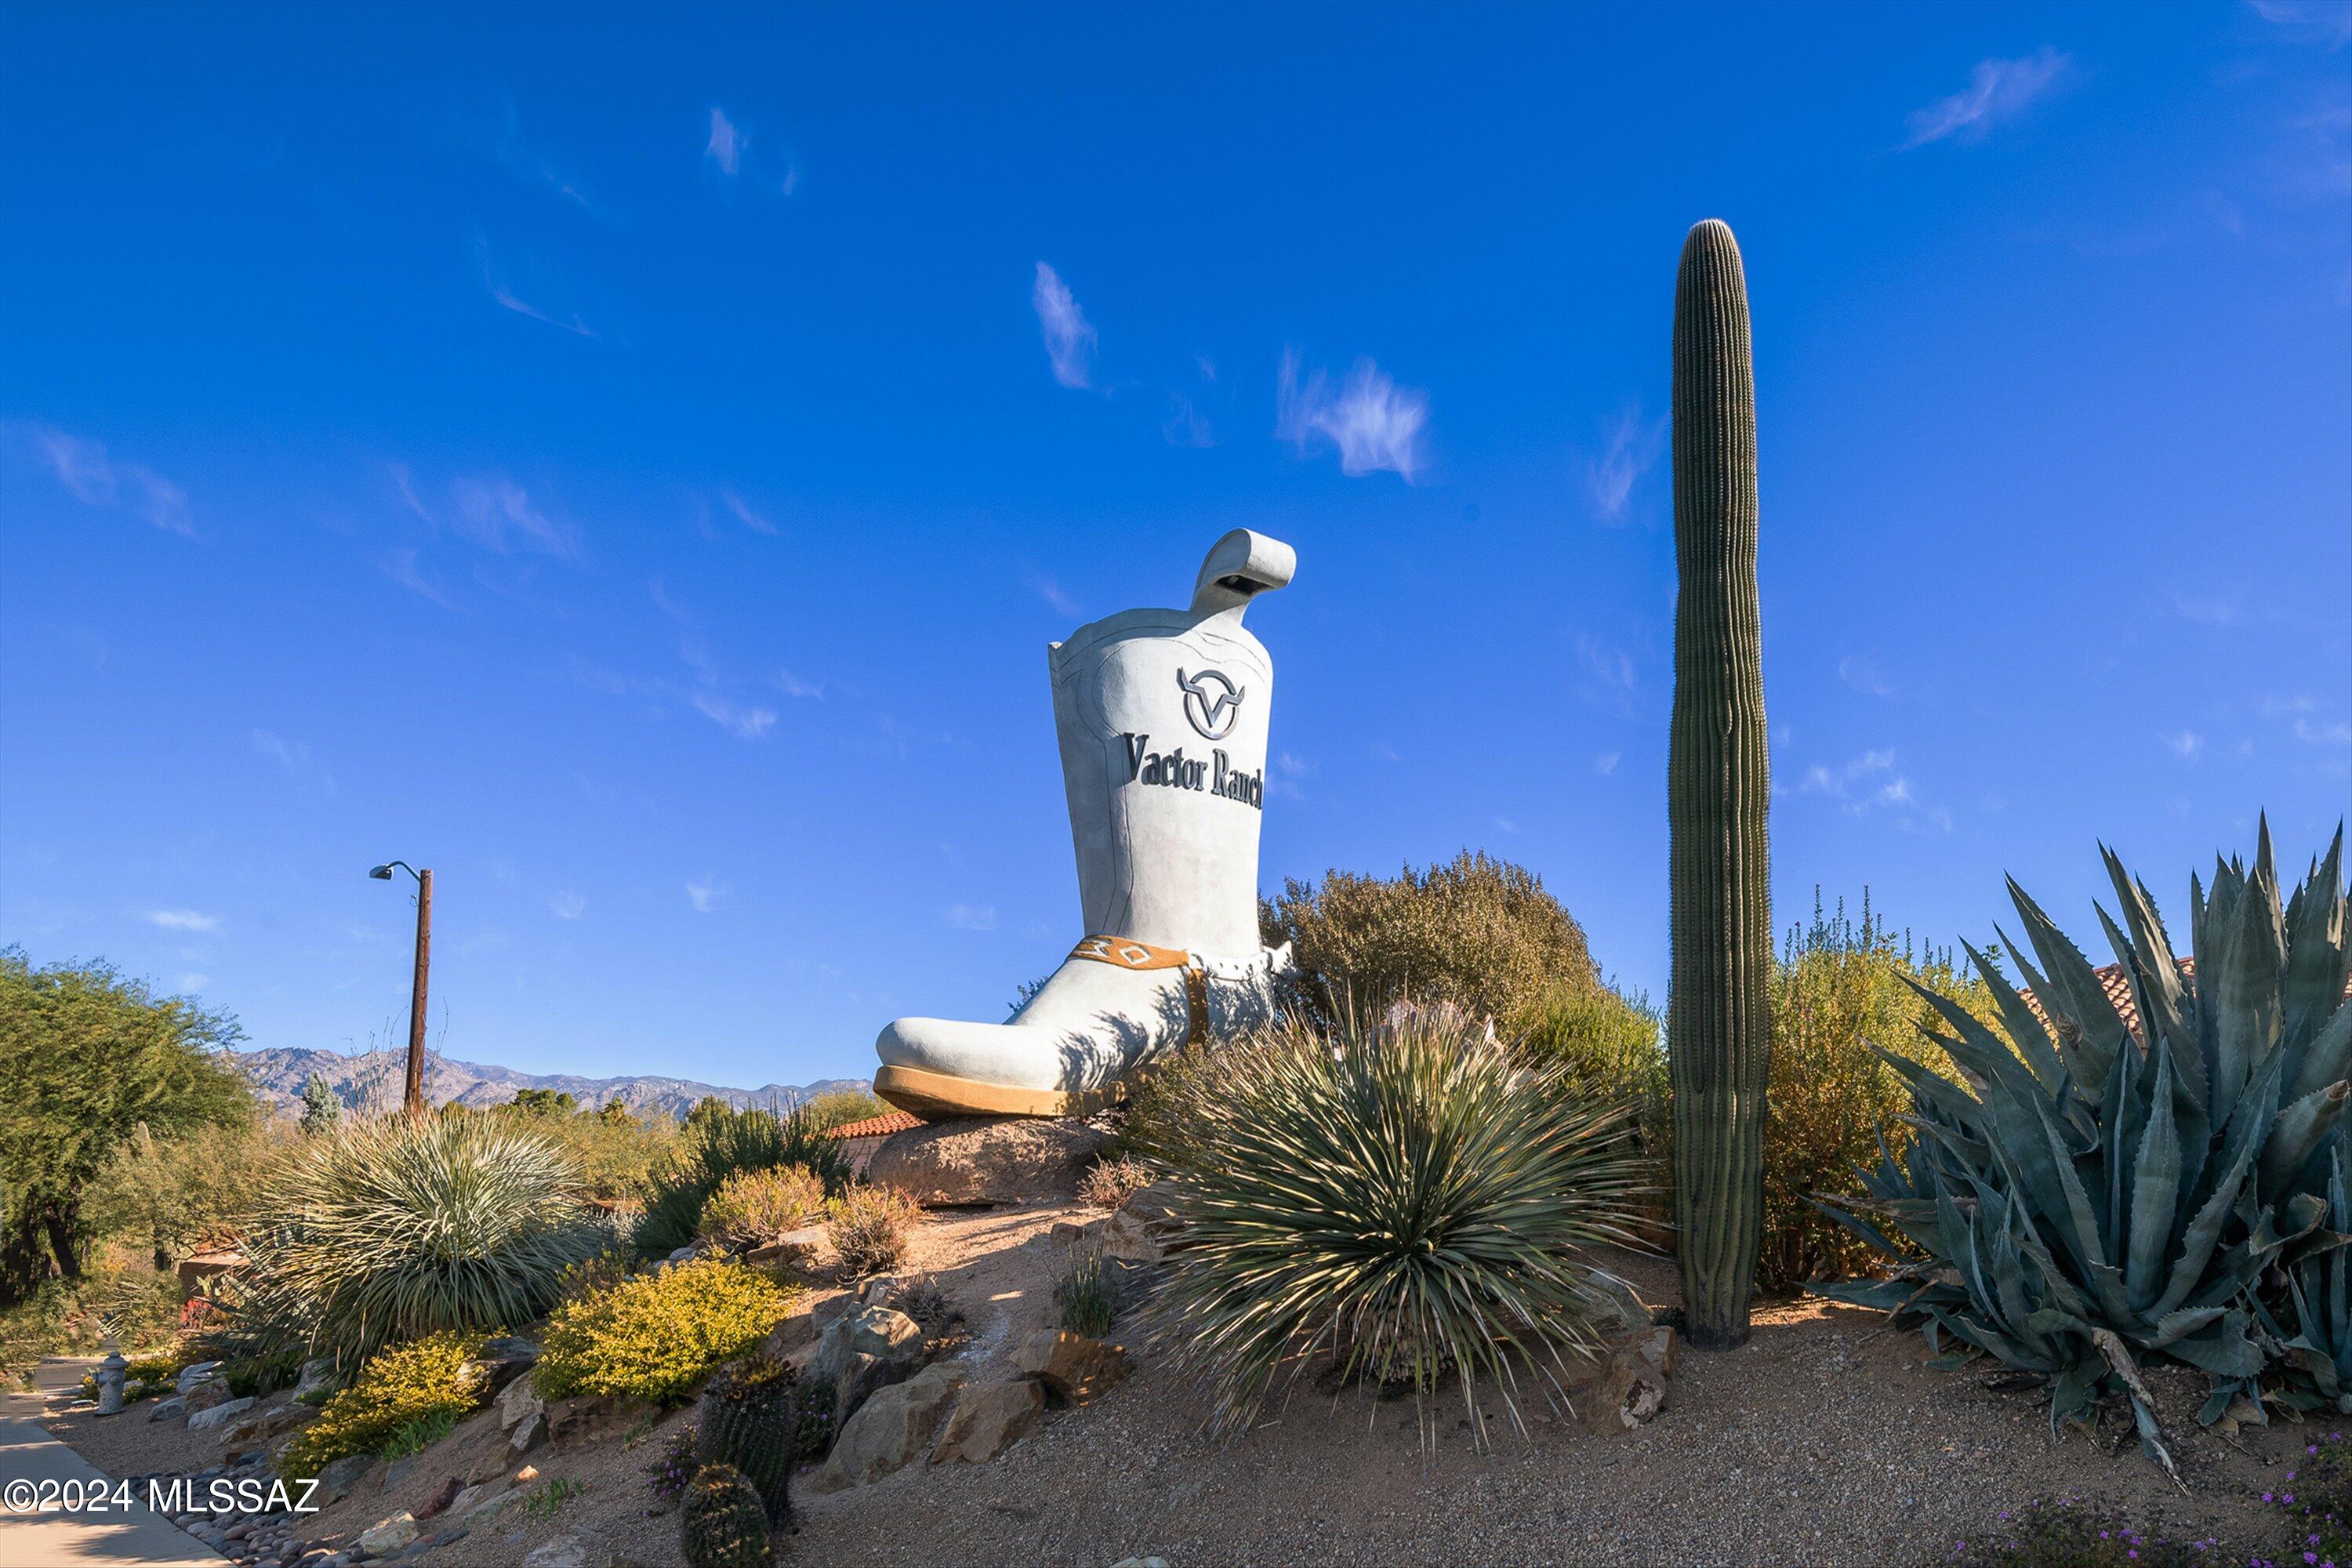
{"type": "Point", "coordinates": [2118, 986]}
{"type": "Point", "coordinates": [876, 1126]}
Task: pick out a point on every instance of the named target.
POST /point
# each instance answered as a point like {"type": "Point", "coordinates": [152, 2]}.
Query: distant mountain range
{"type": "Point", "coordinates": [377, 1079]}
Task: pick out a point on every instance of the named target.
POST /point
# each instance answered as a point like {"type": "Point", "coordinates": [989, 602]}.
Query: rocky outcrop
{"type": "Point", "coordinates": [987, 1418]}
{"type": "Point", "coordinates": [983, 1160]}
{"type": "Point", "coordinates": [891, 1430]}
{"type": "Point", "coordinates": [516, 1402]}
{"type": "Point", "coordinates": [862, 1351]}
{"type": "Point", "coordinates": [1073, 1367]}
{"type": "Point", "coordinates": [339, 1477]}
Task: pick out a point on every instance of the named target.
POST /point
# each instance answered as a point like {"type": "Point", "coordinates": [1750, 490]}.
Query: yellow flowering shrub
{"type": "Point", "coordinates": [654, 1336]}
{"type": "Point", "coordinates": [421, 1384]}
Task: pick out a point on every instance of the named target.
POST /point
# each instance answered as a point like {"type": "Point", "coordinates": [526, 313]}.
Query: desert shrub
{"type": "Point", "coordinates": [395, 1392]}
{"type": "Point", "coordinates": [654, 1336]}
{"type": "Point", "coordinates": [174, 1193]}
{"type": "Point", "coordinates": [751, 1206]}
{"type": "Point", "coordinates": [388, 1227]}
{"type": "Point", "coordinates": [716, 1141]}
{"type": "Point", "coordinates": [1609, 1045]}
{"type": "Point", "coordinates": [674, 1464]}
{"type": "Point", "coordinates": [2073, 1533]}
{"type": "Point", "coordinates": [616, 1153]}
{"type": "Point", "coordinates": [870, 1227]}
{"type": "Point", "coordinates": [813, 1417]}
{"type": "Point", "coordinates": [1151, 1128]}
{"type": "Point", "coordinates": [1478, 933]}
{"type": "Point", "coordinates": [1409, 1199]}
{"type": "Point", "coordinates": [152, 1374]}
{"type": "Point", "coordinates": [602, 1272]}
{"type": "Point", "coordinates": [259, 1374]}
{"type": "Point", "coordinates": [2313, 1503]}
{"type": "Point", "coordinates": [1085, 1300]}
{"type": "Point", "coordinates": [842, 1107]}
{"type": "Point", "coordinates": [1840, 989]}
{"type": "Point", "coordinates": [1107, 1183]}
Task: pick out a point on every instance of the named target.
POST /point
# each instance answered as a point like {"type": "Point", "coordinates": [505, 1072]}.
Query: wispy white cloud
{"type": "Point", "coordinates": [493, 280]}
{"type": "Point", "coordinates": [183, 920]}
{"type": "Point", "coordinates": [657, 589]}
{"type": "Point", "coordinates": [971, 916]}
{"type": "Point", "coordinates": [1861, 671]}
{"type": "Point", "coordinates": [521, 307]}
{"type": "Point", "coordinates": [1997, 90]}
{"type": "Point", "coordinates": [294, 756]}
{"type": "Point", "coordinates": [746, 720]}
{"type": "Point", "coordinates": [2327, 20]}
{"type": "Point", "coordinates": [526, 161]}
{"type": "Point", "coordinates": [1635, 443]}
{"type": "Point", "coordinates": [1610, 675]}
{"type": "Point", "coordinates": [1050, 592]}
{"type": "Point", "coordinates": [1606, 762]}
{"type": "Point", "coordinates": [1185, 428]}
{"type": "Point", "coordinates": [192, 982]}
{"type": "Point", "coordinates": [744, 514]}
{"type": "Point", "coordinates": [402, 568]}
{"type": "Point", "coordinates": [498, 515]}
{"type": "Point", "coordinates": [791, 685]}
{"type": "Point", "coordinates": [725, 147]}
{"type": "Point", "coordinates": [1505, 825]}
{"type": "Point", "coordinates": [1070, 337]}
{"type": "Point", "coordinates": [1376, 425]}
{"type": "Point", "coordinates": [2184, 743]}
{"type": "Point", "coordinates": [568, 906]}
{"type": "Point", "coordinates": [729, 149]}
{"type": "Point", "coordinates": [705, 895]}
{"type": "Point", "coordinates": [1871, 782]}
{"type": "Point", "coordinates": [92, 477]}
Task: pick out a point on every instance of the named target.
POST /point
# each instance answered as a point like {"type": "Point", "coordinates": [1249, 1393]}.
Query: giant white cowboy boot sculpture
{"type": "Point", "coordinates": [1163, 717]}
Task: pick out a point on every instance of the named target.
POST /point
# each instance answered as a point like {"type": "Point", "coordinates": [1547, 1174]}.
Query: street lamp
{"type": "Point", "coordinates": [415, 1099]}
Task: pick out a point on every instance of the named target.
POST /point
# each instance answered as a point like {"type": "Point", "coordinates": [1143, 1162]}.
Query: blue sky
{"type": "Point", "coordinates": [634, 465]}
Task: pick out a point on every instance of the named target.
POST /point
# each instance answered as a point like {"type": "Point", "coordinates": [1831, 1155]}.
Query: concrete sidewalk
{"type": "Point", "coordinates": [59, 1539]}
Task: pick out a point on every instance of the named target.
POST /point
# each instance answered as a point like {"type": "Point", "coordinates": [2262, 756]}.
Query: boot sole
{"type": "Point", "coordinates": [933, 1095]}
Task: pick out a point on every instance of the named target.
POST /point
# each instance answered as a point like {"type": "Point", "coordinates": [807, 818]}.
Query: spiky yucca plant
{"type": "Point", "coordinates": [385, 1228]}
{"type": "Point", "coordinates": [2098, 1191]}
{"type": "Point", "coordinates": [1409, 1199]}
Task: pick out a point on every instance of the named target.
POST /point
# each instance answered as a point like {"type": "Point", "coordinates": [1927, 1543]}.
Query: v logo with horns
{"type": "Point", "coordinates": [1212, 702]}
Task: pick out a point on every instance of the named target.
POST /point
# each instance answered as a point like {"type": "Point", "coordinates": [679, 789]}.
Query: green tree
{"type": "Point", "coordinates": [87, 1056]}
{"type": "Point", "coordinates": [321, 1109]}
{"type": "Point", "coordinates": [544, 1102]}
{"type": "Point", "coordinates": [615, 1113]}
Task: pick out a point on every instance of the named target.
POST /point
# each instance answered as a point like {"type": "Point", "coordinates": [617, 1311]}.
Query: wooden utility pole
{"type": "Point", "coordinates": [415, 1101]}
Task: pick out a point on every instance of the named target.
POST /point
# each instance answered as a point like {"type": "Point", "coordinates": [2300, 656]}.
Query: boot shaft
{"type": "Point", "coordinates": [1163, 720]}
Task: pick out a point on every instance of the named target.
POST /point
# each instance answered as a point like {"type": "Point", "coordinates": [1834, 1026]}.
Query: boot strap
{"type": "Point", "coordinates": [1126, 952]}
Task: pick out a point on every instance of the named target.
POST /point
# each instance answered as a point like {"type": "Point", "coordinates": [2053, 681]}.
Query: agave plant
{"type": "Point", "coordinates": [388, 1227]}
{"type": "Point", "coordinates": [1410, 1201]}
{"type": "Point", "coordinates": [2107, 1184]}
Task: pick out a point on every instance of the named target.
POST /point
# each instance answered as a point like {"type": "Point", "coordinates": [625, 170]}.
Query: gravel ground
{"type": "Point", "coordinates": [1824, 1442]}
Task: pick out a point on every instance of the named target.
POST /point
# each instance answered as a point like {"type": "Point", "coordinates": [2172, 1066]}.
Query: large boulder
{"type": "Point", "coordinates": [338, 1478]}
{"type": "Point", "coordinates": [500, 1362]}
{"type": "Point", "coordinates": [890, 1431]}
{"type": "Point", "coordinates": [390, 1536]}
{"type": "Point", "coordinates": [1618, 1391]}
{"type": "Point", "coordinates": [987, 1418]}
{"type": "Point", "coordinates": [195, 1373]}
{"type": "Point", "coordinates": [206, 1394]}
{"type": "Point", "coordinates": [516, 1403]}
{"type": "Point", "coordinates": [984, 1160]}
{"type": "Point", "coordinates": [216, 1416]}
{"type": "Point", "coordinates": [880, 1332]}
{"type": "Point", "coordinates": [1073, 1367]}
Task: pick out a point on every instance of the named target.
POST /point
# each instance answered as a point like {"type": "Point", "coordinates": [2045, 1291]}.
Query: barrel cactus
{"type": "Point", "coordinates": [721, 1521]}
{"type": "Point", "coordinates": [2109, 1184]}
{"type": "Point", "coordinates": [749, 1420]}
{"type": "Point", "coordinates": [1719, 1017]}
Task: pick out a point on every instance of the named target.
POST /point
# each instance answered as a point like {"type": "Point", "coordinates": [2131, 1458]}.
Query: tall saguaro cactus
{"type": "Point", "coordinates": [1719, 1014]}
